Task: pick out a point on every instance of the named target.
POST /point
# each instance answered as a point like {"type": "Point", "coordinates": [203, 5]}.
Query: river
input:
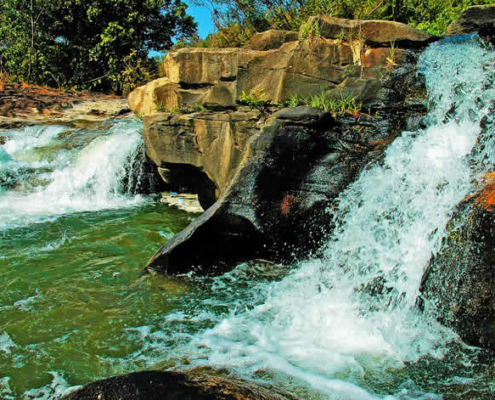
{"type": "Point", "coordinates": [74, 238]}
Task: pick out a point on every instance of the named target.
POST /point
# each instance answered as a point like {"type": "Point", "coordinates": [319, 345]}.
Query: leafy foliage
{"type": "Point", "coordinates": [238, 20]}
{"type": "Point", "coordinates": [82, 44]}
{"type": "Point", "coordinates": [255, 99]}
{"type": "Point", "coordinates": [342, 106]}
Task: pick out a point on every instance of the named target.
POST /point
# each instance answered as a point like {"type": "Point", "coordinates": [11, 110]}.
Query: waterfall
{"type": "Point", "coordinates": [353, 310]}
{"type": "Point", "coordinates": [49, 171]}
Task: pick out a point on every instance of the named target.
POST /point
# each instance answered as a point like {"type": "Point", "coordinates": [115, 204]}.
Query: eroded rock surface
{"type": "Point", "coordinates": [199, 152]}
{"type": "Point", "coordinates": [346, 58]}
{"type": "Point", "coordinates": [475, 19]}
{"type": "Point", "coordinates": [279, 204]}
{"type": "Point", "coordinates": [375, 33]}
{"type": "Point", "coordinates": [457, 287]}
{"type": "Point", "coordinates": [163, 385]}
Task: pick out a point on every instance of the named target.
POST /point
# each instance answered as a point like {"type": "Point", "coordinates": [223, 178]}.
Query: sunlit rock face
{"type": "Point", "coordinates": [342, 57]}
{"type": "Point", "coordinates": [279, 203]}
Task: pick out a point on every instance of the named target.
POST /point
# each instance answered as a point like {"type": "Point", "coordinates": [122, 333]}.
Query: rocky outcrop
{"type": "Point", "coordinates": [162, 385]}
{"type": "Point", "coordinates": [274, 176]}
{"type": "Point", "coordinates": [474, 19]}
{"type": "Point", "coordinates": [272, 39]}
{"type": "Point", "coordinates": [281, 65]}
{"type": "Point", "coordinates": [279, 204]}
{"type": "Point", "coordinates": [199, 152]}
{"type": "Point", "coordinates": [374, 33]}
{"type": "Point", "coordinates": [457, 286]}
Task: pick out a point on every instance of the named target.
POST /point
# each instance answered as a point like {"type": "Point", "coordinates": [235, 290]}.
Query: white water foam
{"type": "Point", "coordinates": [87, 180]}
{"type": "Point", "coordinates": [5, 391]}
{"type": "Point", "coordinates": [57, 388]}
{"type": "Point", "coordinates": [30, 138]}
{"type": "Point", "coordinates": [334, 318]}
{"type": "Point", "coordinates": [6, 343]}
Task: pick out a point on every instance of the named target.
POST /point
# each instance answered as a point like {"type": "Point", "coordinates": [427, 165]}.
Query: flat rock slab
{"type": "Point", "coordinates": [20, 105]}
{"type": "Point", "coordinates": [272, 39]}
{"type": "Point", "coordinates": [371, 32]}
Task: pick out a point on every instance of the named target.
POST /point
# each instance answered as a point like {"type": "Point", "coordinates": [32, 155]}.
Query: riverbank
{"type": "Point", "coordinates": [29, 104]}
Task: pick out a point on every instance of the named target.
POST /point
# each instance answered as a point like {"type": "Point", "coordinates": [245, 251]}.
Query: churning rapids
{"type": "Point", "coordinates": [320, 330]}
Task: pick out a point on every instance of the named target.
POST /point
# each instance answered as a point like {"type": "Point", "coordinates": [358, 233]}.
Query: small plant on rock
{"type": "Point", "coordinates": [311, 29]}
{"type": "Point", "coordinates": [391, 64]}
{"type": "Point", "coordinates": [295, 101]}
{"type": "Point", "coordinates": [199, 107]}
{"type": "Point", "coordinates": [161, 107]}
{"type": "Point", "coordinates": [255, 99]}
{"type": "Point", "coordinates": [346, 105]}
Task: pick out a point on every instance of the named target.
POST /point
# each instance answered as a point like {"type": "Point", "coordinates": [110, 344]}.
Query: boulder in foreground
{"type": "Point", "coordinates": [163, 385]}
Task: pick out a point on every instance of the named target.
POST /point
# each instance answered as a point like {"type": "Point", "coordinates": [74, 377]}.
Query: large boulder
{"type": "Point", "coordinates": [457, 286]}
{"type": "Point", "coordinates": [164, 385]}
{"type": "Point", "coordinates": [375, 33]}
{"type": "Point", "coordinates": [285, 186]}
{"type": "Point", "coordinates": [158, 94]}
{"type": "Point", "coordinates": [474, 19]}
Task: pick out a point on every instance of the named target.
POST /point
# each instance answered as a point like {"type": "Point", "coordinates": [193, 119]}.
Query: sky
{"type": "Point", "coordinates": [203, 17]}
{"type": "Point", "coordinates": [205, 24]}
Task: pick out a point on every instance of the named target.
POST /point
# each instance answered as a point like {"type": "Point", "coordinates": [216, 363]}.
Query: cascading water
{"type": "Point", "coordinates": [332, 320]}
{"type": "Point", "coordinates": [52, 170]}
{"type": "Point", "coordinates": [73, 237]}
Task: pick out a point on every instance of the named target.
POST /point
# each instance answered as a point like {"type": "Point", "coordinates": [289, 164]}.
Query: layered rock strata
{"type": "Point", "coordinates": [275, 177]}
{"type": "Point", "coordinates": [279, 204]}
{"type": "Point", "coordinates": [345, 58]}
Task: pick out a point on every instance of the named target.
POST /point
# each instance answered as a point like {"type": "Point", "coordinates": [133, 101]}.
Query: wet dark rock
{"type": "Point", "coordinates": [162, 385]}
{"type": "Point", "coordinates": [279, 204]}
{"type": "Point", "coordinates": [475, 19]}
{"type": "Point", "coordinates": [457, 287]}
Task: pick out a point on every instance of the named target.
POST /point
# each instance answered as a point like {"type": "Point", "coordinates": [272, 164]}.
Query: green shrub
{"type": "Point", "coordinates": [199, 107]}
{"type": "Point", "coordinates": [255, 99]}
{"type": "Point", "coordinates": [160, 107]}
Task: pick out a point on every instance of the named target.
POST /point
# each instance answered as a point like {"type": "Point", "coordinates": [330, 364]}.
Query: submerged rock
{"type": "Point", "coordinates": [162, 385]}
{"type": "Point", "coordinates": [457, 286]}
